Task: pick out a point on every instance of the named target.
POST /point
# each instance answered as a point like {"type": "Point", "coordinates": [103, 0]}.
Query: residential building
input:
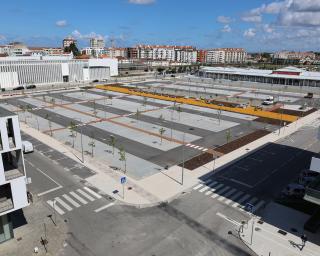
{"type": "Point", "coordinates": [15, 49]}
{"type": "Point", "coordinates": [67, 41]}
{"type": "Point", "coordinates": [113, 52]}
{"type": "Point", "coordinates": [42, 70]}
{"type": "Point", "coordinates": [13, 190]}
{"type": "Point", "coordinates": [45, 51]}
{"type": "Point", "coordinates": [186, 54]}
{"type": "Point", "coordinates": [226, 55]}
{"type": "Point", "coordinates": [95, 52]}
{"type": "Point", "coordinates": [285, 76]}
{"type": "Point", "coordinates": [287, 55]}
{"type": "Point", "coordinates": [201, 56]}
{"type": "Point", "coordinates": [132, 53]}
{"type": "Point", "coordinates": [97, 43]}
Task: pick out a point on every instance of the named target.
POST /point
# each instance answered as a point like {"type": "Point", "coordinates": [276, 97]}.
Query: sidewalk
{"type": "Point", "coordinates": [264, 238]}
{"type": "Point", "coordinates": [39, 225]}
{"type": "Point", "coordinates": [165, 185]}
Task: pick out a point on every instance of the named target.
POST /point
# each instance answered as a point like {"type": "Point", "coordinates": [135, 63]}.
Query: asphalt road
{"type": "Point", "coordinates": [187, 226]}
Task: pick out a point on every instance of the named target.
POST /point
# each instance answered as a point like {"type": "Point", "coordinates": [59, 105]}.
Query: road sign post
{"type": "Point", "coordinates": [123, 180]}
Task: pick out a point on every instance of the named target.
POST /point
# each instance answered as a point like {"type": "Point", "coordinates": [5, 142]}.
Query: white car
{"type": "Point", "coordinates": [27, 146]}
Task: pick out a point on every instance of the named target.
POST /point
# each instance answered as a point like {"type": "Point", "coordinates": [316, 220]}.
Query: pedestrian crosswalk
{"type": "Point", "coordinates": [203, 149]}
{"type": "Point", "coordinates": [228, 195]}
{"type": "Point", "coordinates": [74, 199]}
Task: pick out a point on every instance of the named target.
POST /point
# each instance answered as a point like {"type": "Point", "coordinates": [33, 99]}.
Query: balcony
{"type": "Point", "coordinates": [12, 164]}
{"type": "Point", "coordinates": [6, 203]}
{"type": "Point", "coordinates": [313, 192]}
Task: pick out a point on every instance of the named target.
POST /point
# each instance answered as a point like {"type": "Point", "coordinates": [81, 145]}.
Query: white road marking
{"type": "Point", "coordinates": [221, 198]}
{"type": "Point", "coordinates": [220, 192]}
{"type": "Point", "coordinates": [188, 144]}
{"type": "Point", "coordinates": [85, 195]}
{"type": "Point", "coordinates": [228, 219]}
{"type": "Point", "coordinates": [65, 205]}
{"type": "Point", "coordinates": [104, 207]}
{"type": "Point", "coordinates": [259, 205]}
{"type": "Point", "coordinates": [192, 146]}
{"type": "Point", "coordinates": [204, 149]}
{"type": "Point", "coordinates": [241, 183]}
{"type": "Point", "coordinates": [55, 207]}
{"type": "Point", "coordinates": [198, 186]}
{"type": "Point", "coordinates": [50, 190]}
{"type": "Point", "coordinates": [92, 192]}
{"type": "Point", "coordinates": [70, 200]}
{"type": "Point", "coordinates": [80, 199]}
{"type": "Point", "coordinates": [233, 198]}
{"type": "Point", "coordinates": [200, 148]}
{"type": "Point", "coordinates": [242, 199]}
{"type": "Point", "coordinates": [212, 185]}
{"type": "Point", "coordinates": [196, 147]}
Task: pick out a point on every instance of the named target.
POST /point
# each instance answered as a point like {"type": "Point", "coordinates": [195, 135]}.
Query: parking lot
{"type": "Point", "coordinates": [137, 134]}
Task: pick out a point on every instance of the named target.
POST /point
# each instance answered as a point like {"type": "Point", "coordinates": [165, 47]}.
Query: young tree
{"type": "Point", "coordinates": [112, 143]}
{"type": "Point", "coordinates": [49, 124]}
{"type": "Point", "coordinates": [145, 100]}
{"type": "Point", "coordinates": [122, 154]}
{"type": "Point", "coordinates": [110, 98]}
{"type": "Point", "coordinates": [137, 114]}
{"type": "Point", "coordinates": [228, 135]}
{"type": "Point", "coordinates": [29, 109]}
{"type": "Point", "coordinates": [73, 130]}
{"type": "Point", "coordinates": [92, 144]}
{"type": "Point", "coordinates": [161, 132]}
{"type": "Point", "coordinates": [53, 101]}
{"type": "Point", "coordinates": [179, 111]}
{"type": "Point", "coordinates": [23, 110]}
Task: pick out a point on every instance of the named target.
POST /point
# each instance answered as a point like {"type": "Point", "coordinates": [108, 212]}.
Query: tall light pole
{"type": "Point", "coordinates": [81, 139]}
{"type": "Point", "coordinates": [182, 171]}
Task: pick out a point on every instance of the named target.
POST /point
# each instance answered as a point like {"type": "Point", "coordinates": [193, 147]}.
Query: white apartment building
{"type": "Point", "coordinates": [67, 41]}
{"type": "Point", "coordinates": [113, 52]}
{"type": "Point", "coordinates": [16, 71]}
{"type": "Point", "coordinates": [97, 43]}
{"type": "Point", "coordinates": [226, 55]}
{"type": "Point", "coordinates": [96, 52]}
{"type": "Point", "coordinates": [14, 49]}
{"type": "Point", "coordinates": [13, 190]}
{"type": "Point", "coordinates": [185, 54]}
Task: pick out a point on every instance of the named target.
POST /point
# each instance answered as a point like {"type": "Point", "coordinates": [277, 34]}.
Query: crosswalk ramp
{"type": "Point", "coordinates": [72, 200]}
{"type": "Point", "coordinates": [228, 195]}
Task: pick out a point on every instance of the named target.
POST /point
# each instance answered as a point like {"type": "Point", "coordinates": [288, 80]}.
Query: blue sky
{"type": "Point", "coordinates": [258, 25]}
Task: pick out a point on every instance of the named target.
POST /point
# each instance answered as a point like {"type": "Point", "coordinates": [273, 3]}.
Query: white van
{"type": "Point", "coordinates": [27, 146]}
{"type": "Point", "coordinates": [268, 101]}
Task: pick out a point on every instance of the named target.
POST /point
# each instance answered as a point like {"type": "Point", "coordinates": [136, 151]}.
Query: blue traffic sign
{"type": "Point", "coordinates": [123, 180]}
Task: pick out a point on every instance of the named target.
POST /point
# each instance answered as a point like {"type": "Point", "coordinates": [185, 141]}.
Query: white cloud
{"type": "Point", "coordinates": [142, 1]}
{"type": "Point", "coordinates": [226, 29]}
{"type": "Point", "coordinates": [250, 33]}
{"type": "Point", "coordinates": [78, 35]}
{"type": "Point", "coordinates": [250, 17]}
{"type": "Point", "coordinates": [267, 28]}
{"type": "Point", "coordinates": [61, 23]}
{"type": "Point", "coordinates": [224, 19]}
{"type": "Point", "coordinates": [3, 38]}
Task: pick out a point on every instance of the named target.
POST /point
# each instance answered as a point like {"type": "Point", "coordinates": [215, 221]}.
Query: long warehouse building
{"type": "Point", "coordinates": [20, 71]}
{"type": "Point", "coordinates": [285, 76]}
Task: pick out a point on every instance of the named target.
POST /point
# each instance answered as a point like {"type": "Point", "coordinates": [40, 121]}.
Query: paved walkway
{"type": "Point", "coordinates": [28, 236]}
{"type": "Point", "coordinates": [265, 240]}
{"type": "Point", "coordinates": [165, 185]}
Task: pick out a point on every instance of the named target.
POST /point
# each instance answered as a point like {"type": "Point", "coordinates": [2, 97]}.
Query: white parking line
{"type": "Point", "coordinates": [104, 207]}
{"type": "Point", "coordinates": [65, 205]}
{"type": "Point", "coordinates": [80, 199]}
{"type": "Point", "coordinates": [55, 207]}
{"type": "Point", "coordinates": [70, 200]}
{"type": "Point", "coordinates": [85, 195]}
{"type": "Point", "coordinates": [92, 192]}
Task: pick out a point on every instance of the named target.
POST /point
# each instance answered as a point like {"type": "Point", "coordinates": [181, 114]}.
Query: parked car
{"type": "Point", "coordinates": [19, 88]}
{"type": "Point", "coordinates": [294, 190]}
{"type": "Point", "coordinates": [268, 101]}
{"type": "Point", "coordinates": [31, 86]}
{"type": "Point", "coordinates": [309, 95]}
{"type": "Point", "coordinates": [27, 146]}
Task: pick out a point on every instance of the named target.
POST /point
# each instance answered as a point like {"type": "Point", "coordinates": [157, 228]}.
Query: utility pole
{"type": "Point", "coordinates": [182, 171]}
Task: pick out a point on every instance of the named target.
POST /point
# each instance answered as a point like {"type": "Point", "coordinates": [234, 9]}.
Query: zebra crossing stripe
{"type": "Point", "coordinates": [252, 201]}
{"type": "Point", "coordinates": [85, 195]}
{"type": "Point", "coordinates": [233, 198]}
{"type": "Point", "coordinates": [188, 144]}
{"type": "Point", "coordinates": [259, 205]}
{"type": "Point", "coordinates": [65, 205]}
{"type": "Point", "coordinates": [55, 207]}
{"type": "Point", "coordinates": [207, 187]}
{"type": "Point", "coordinates": [220, 192]}
{"type": "Point", "coordinates": [227, 194]}
{"type": "Point", "coordinates": [76, 196]}
{"type": "Point", "coordinates": [198, 186]}
{"type": "Point", "coordinates": [242, 199]}
{"type": "Point", "coordinates": [202, 184]}
{"type": "Point", "coordinates": [205, 149]}
{"type": "Point", "coordinates": [70, 200]}
{"type": "Point", "coordinates": [192, 146]}
{"type": "Point", "coordinates": [212, 185]}
{"type": "Point", "coordinates": [92, 192]}
{"type": "Point", "coordinates": [200, 148]}
{"type": "Point", "coordinates": [196, 147]}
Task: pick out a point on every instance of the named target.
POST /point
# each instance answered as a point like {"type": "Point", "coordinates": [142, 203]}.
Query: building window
{"type": "Point", "coordinates": [10, 130]}
{"type": "Point", "coordinates": [12, 164]}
